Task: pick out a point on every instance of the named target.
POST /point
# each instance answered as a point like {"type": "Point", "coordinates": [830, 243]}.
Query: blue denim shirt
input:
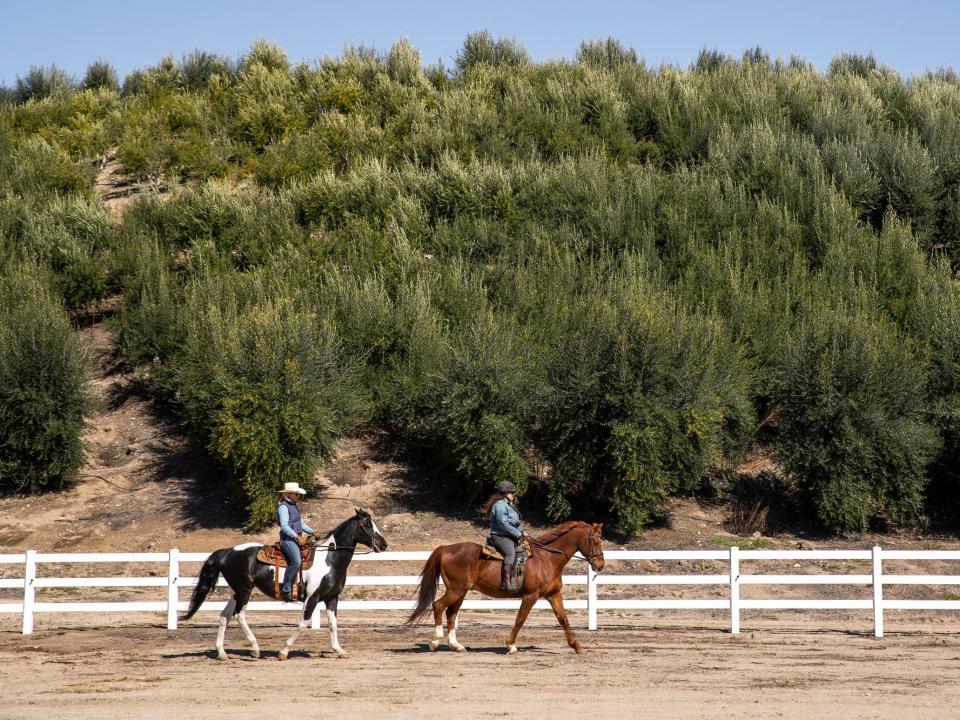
{"type": "Point", "coordinates": [505, 520]}
{"type": "Point", "coordinates": [283, 516]}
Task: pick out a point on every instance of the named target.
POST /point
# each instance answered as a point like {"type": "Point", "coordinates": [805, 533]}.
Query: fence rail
{"type": "Point", "coordinates": [173, 581]}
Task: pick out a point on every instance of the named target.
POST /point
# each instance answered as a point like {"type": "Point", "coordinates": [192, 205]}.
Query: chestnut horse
{"type": "Point", "coordinates": [462, 569]}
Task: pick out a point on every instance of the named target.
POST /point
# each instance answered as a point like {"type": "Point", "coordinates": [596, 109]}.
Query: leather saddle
{"type": "Point", "coordinates": [273, 555]}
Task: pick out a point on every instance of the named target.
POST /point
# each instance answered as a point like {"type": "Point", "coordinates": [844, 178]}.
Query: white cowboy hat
{"type": "Point", "coordinates": [293, 488]}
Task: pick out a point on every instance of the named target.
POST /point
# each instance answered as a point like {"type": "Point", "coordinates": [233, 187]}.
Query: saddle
{"type": "Point", "coordinates": [488, 552]}
{"type": "Point", "coordinates": [273, 555]}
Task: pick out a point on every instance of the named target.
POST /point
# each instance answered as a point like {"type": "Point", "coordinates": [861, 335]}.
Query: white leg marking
{"type": "Point", "coordinates": [334, 642]}
{"type": "Point", "coordinates": [437, 637]}
{"type": "Point", "coordinates": [225, 616]}
{"type": "Point", "coordinates": [255, 646]}
{"type": "Point", "coordinates": [511, 649]}
{"type": "Point", "coordinates": [452, 638]}
{"type": "Point", "coordinates": [285, 651]}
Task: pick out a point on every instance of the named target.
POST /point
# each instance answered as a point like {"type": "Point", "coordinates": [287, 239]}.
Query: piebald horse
{"type": "Point", "coordinates": [462, 568]}
{"type": "Point", "coordinates": [324, 581]}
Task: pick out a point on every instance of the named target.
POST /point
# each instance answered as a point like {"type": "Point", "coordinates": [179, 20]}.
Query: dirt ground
{"type": "Point", "coordinates": [651, 666]}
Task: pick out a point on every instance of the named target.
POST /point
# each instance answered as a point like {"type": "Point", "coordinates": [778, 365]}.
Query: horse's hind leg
{"type": "Point", "coordinates": [449, 598]}
{"type": "Point", "coordinates": [225, 616]}
{"type": "Point", "coordinates": [452, 614]}
{"type": "Point", "coordinates": [242, 619]}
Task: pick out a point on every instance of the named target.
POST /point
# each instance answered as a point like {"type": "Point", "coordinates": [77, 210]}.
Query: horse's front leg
{"type": "Point", "coordinates": [332, 622]}
{"type": "Point", "coordinates": [308, 607]}
{"type": "Point", "coordinates": [526, 604]}
{"type": "Point", "coordinates": [556, 602]}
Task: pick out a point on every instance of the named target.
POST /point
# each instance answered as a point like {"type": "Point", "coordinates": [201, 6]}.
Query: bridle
{"type": "Point", "coordinates": [593, 542]}
{"type": "Point", "coordinates": [362, 522]}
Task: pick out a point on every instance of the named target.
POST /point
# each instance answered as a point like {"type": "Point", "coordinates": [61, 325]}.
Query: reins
{"type": "Point", "coordinates": [571, 556]}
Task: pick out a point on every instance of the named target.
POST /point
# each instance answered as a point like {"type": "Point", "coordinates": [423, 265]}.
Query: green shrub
{"type": "Point", "coordinates": [853, 428]}
{"type": "Point", "coordinates": [100, 75]}
{"type": "Point", "coordinates": [264, 385]}
{"type": "Point", "coordinates": [644, 400]}
{"type": "Point", "coordinates": [44, 395]}
{"type": "Point", "coordinates": [43, 82]}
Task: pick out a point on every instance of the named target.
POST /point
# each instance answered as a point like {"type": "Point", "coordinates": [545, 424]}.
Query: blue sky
{"type": "Point", "coordinates": [909, 36]}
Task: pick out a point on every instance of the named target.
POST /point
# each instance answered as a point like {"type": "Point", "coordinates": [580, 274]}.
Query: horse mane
{"type": "Point", "coordinates": [332, 533]}
{"type": "Point", "coordinates": [558, 530]}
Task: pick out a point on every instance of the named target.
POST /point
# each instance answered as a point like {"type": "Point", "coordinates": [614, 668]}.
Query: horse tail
{"type": "Point", "coordinates": [206, 582]}
{"type": "Point", "coordinates": [428, 587]}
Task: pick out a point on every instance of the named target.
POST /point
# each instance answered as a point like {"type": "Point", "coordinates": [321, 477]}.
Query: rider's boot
{"type": "Point", "coordinates": [506, 577]}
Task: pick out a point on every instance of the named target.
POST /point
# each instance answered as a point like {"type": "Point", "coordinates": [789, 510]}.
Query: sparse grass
{"type": "Point", "coordinates": [742, 543]}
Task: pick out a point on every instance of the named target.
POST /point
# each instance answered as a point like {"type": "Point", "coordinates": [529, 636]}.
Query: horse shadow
{"type": "Point", "coordinates": [424, 648]}
{"type": "Point", "coordinates": [244, 655]}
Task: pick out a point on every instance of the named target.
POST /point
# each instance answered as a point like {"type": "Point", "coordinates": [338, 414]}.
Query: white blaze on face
{"type": "Point", "coordinates": [376, 530]}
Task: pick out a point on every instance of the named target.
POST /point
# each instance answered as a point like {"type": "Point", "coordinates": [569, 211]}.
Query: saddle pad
{"type": "Point", "coordinates": [273, 555]}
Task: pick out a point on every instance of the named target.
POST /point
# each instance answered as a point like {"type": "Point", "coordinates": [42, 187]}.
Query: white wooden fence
{"type": "Point", "coordinates": [733, 580]}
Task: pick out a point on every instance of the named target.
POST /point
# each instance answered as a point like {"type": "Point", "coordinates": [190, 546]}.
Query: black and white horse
{"type": "Point", "coordinates": [324, 581]}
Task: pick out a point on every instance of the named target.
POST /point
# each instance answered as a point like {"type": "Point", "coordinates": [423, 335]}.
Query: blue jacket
{"type": "Point", "coordinates": [505, 520]}
{"type": "Point", "coordinates": [291, 524]}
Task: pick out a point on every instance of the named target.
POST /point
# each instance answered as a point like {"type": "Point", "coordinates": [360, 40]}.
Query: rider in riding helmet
{"type": "Point", "coordinates": [292, 528]}
{"type": "Point", "coordinates": [506, 531]}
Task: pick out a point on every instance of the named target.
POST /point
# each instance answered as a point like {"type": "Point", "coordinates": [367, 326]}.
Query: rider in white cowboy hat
{"type": "Point", "coordinates": [292, 528]}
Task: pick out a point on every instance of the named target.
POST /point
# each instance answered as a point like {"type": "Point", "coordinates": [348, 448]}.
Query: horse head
{"type": "Point", "coordinates": [367, 533]}
{"type": "Point", "coordinates": [590, 546]}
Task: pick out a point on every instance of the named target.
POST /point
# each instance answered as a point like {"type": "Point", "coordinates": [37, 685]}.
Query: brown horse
{"type": "Point", "coordinates": [462, 569]}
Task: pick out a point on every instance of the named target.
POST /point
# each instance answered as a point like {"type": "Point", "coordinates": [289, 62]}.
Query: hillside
{"type": "Point", "coordinates": [619, 286]}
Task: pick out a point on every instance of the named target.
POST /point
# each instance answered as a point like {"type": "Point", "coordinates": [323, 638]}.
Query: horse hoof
{"type": "Point", "coordinates": [434, 644]}
{"type": "Point", "coordinates": [341, 654]}
{"type": "Point", "coordinates": [577, 649]}
{"type": "Point", "coordinates": [511, 649]}
{"type": "Point", "coordinates": [460, 648]}
{"type": "Point", "coordinates": [255, 654]}
{"type": "Point", "coordinates": [222, 656]}
{"type": "Point", "coordinates": [282, 655]}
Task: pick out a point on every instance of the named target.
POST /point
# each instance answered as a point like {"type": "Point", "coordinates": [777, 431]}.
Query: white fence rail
{"type": "Point", "coordinates": [31, 580]}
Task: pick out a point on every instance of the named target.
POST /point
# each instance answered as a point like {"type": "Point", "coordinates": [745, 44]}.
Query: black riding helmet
{"type": "Point", "coordinates": [506, 487]}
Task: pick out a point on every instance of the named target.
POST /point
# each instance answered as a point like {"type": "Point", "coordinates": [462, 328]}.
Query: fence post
{"type": "Point", "coordinates": [591, 599]}
{"type": "Point", "coordinates": [735, 590]}
{"type": "Point", "coordinates": [29, 591]}
{"type": "Point", "coordinates": [877, 593]}
{"type": "Point", "coordinates": [173, 588]}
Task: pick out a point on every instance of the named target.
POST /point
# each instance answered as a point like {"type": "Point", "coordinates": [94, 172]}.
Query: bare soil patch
{"type": "Point", "coordinates": [652, 666]}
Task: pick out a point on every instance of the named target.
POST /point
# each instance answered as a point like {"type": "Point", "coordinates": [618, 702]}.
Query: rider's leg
{"type": "Point", "coordinates": [506, 547]}
{"type": "Point", "coordinates": [291, 551]}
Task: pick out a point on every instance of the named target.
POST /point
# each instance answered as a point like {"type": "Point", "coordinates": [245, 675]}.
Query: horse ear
{"type": "Point", "coordinates": [359, 510]}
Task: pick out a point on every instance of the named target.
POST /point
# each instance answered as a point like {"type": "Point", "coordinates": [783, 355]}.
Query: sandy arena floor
{"type": "Point", "coordinates": [671, 666]}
